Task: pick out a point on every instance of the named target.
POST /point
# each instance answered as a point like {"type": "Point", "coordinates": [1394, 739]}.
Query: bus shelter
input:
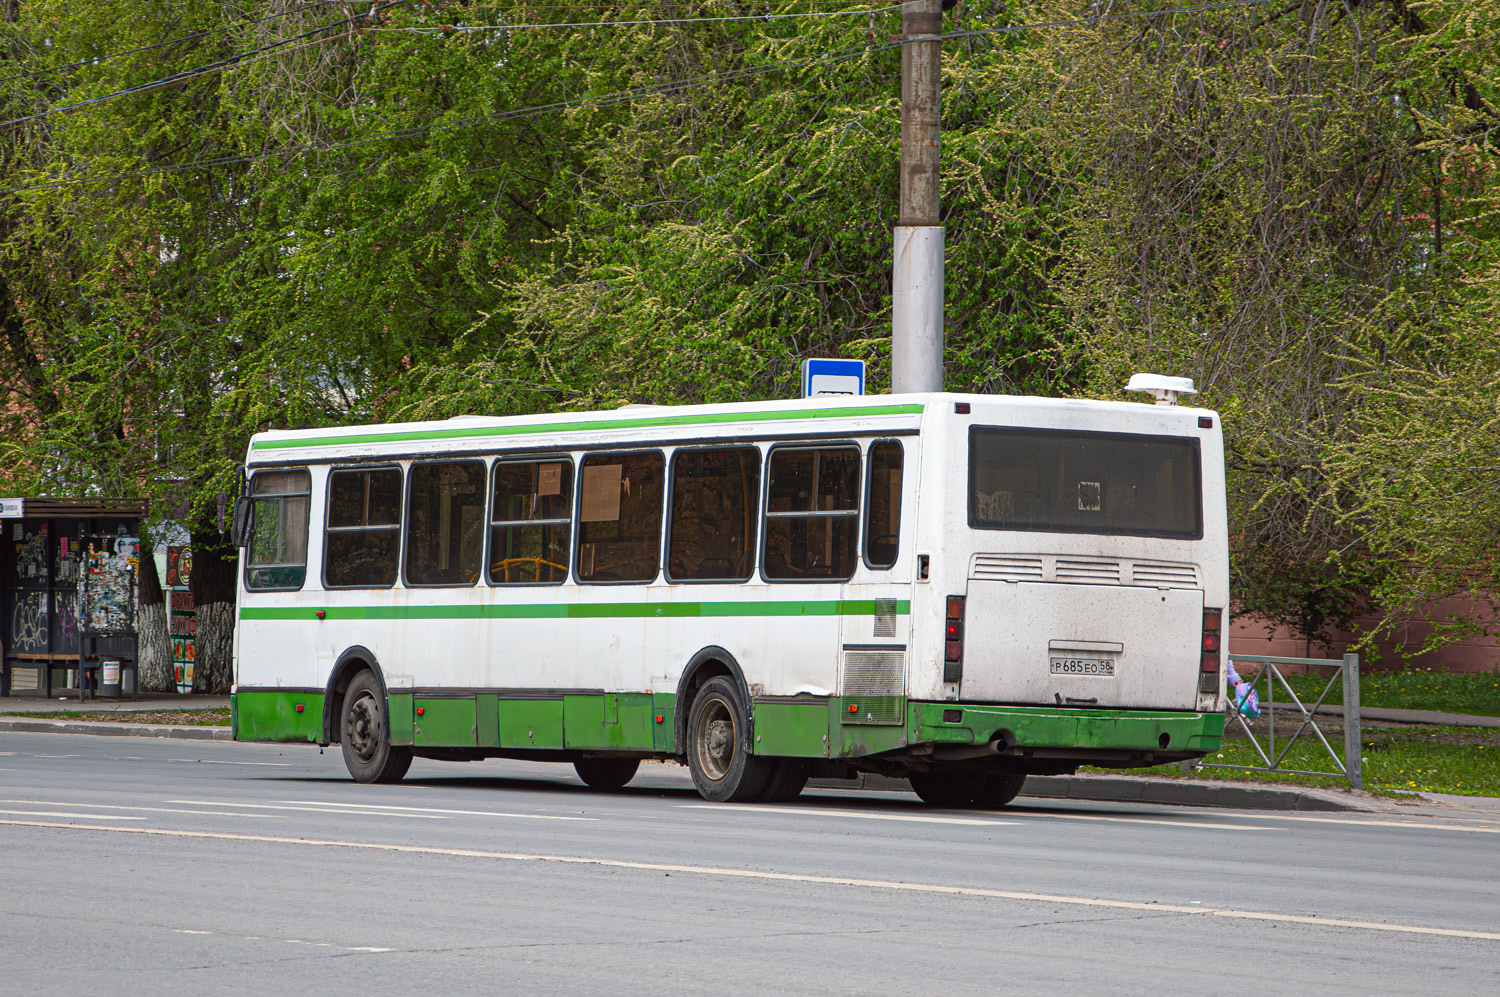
{"type": "Point", "coordinates": [47, 642]}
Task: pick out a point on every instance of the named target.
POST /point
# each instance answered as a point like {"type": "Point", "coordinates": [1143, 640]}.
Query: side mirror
{"type": "Point", "coordinates": [239, 531]}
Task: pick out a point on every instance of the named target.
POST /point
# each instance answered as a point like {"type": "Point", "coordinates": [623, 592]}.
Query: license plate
{"type": "Point", "coordinates": [1083, 666]}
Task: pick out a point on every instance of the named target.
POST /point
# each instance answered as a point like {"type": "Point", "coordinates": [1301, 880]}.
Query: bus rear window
{"type": "Point", "coordinates": [1060, 481]}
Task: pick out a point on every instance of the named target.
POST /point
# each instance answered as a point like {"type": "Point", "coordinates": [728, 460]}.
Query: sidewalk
{"type": "Point", "coordinates": [123, 708]}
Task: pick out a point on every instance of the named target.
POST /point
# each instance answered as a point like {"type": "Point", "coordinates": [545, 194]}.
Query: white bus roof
{"type": "Point", "coordinates": [852, 415]}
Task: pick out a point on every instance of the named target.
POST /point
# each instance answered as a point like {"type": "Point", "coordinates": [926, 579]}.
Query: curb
{"type": "Point", "coordinates": [33, 725]}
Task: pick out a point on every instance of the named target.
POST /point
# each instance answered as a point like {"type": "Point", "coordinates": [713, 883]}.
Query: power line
{"type": "Point", "coordinates": [98, 59]}
{"type": "Point", "coordinates": [452, 28]}
{"type": "Point", "coordinates": [190, 74]}
{"type": "Point", "coordinates": [607, 100]}
{"type": "Point", "coordinates": [1129, 14]}
{"type": "Point", "coordinates": [599, 100]}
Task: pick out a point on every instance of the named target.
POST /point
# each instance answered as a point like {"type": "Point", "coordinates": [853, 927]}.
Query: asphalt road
{"type": "Point", "coordinates": [134, 866]}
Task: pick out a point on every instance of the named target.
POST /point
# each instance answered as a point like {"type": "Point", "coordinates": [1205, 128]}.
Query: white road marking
{"type": "Point", "coordinates": [313, 810]}
{"type": "Point", "coordinates": [54, 756]}
{"type": "Point", "coordinates": [292, 941]}
{"type": "Point", "coordinates": [1147, 820]}
{"type": "Point", "coordinates": [787, 877]}
{"type": "Point", "coordinates": [56, 813]}
{"type": "Point", "coordinates": [1413, 825]}
{"type": "Point", "coordinates": [154, 810]}
{"type": "Point", "coordinates": [426, 810]}
{"type": "Point", "coordinates": [210, 761]}
{"type": "Point", "coordinates": [809, 812]}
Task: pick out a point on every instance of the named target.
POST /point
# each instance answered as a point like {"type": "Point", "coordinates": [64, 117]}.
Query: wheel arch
{"type": "Point", "coordinates": [710, 661]}
{"type": "Point", "coordinates": [354, 660]}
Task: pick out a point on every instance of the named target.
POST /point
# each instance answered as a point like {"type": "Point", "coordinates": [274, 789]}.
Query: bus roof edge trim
{"type": "Point", "coordinates": [583, 425]}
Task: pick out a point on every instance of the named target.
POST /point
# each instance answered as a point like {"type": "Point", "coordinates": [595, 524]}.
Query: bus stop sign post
{"type": "Point", "coordinates": [833, 377]}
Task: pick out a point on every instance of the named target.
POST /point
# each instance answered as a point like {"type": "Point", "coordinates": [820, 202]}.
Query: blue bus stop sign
{"type": "Point", "coordinates": [833, 377]}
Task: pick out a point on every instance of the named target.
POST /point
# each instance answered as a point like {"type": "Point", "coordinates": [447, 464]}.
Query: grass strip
{"type": "Point", "coordinates": [1397, 759]}
{"type": "Point", "coordinates": [188, 718]}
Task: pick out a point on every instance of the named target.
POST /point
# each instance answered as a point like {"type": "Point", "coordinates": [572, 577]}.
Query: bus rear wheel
{"type": "Point", "coordinates": [606, 773]}
{"type": "Point", "coordinates": [999, 789]}
{"type": "Point", "coordinates": [947, 789]}
{"type": "Point", "coordinates": [718, 745]}
{"type": "Point", "coordinates": [366, 734]}
{"type": "Point", "coordinates": [787, 779]}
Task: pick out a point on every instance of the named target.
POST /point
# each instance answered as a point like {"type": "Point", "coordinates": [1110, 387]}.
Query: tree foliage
{"type": "Point", "coordinates": [418, 209]}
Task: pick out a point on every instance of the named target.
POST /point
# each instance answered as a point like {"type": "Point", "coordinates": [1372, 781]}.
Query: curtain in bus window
{"type": "Point", "coordinates": [277, 556]}
{"type": "Point", "coordinates": [619, 517]}
{"type": "Point", "coordinates": [883, 504]}
{"type": "Point", "coordinates": [1074, 482]}
{"type": "Point", "coordinates": [529, 522]}
{"type": "Point", "coordinates": [364, 527]}
{"type": "Point", "coordinates": [715, 494]}
{"type": "Point", "coordinates": [444, 523]}
{"type": "Point", "coordinates": [812, 513]}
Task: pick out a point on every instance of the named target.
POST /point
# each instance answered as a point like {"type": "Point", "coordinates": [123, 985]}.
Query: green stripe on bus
{"type": "Point", "coordinates": [575, 611]}
{"type": "Point", "coordinates": [593, 425]}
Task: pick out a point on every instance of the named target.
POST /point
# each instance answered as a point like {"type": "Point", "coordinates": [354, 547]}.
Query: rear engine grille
{"type": "Point", "coordinates": [1160, 575]}
{"type": "Point", "coordinates": [1076, 571]}
{"type": "Point", "coordinates": [885, 618]}
{"type": "Point", "coordinates": [1088, 572]}
{"type": "Point", "coordinates": [875, 682]}
{"type": "Point", "coordinates": [1007, 568]}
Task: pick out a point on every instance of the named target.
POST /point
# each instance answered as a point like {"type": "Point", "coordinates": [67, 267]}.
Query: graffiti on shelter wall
{"type": "Point", "coordinates": [107, 587]}
{"type": "Point", "coordinates": [65, 621]}
{"type": "Point", "coordinates": [28, 623]}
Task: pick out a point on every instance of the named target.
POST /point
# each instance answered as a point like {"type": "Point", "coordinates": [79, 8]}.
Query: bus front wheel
{"type": "Point", "coordinates": [718, 745]}
{"type": "Point", "coordinates": [366, 734]}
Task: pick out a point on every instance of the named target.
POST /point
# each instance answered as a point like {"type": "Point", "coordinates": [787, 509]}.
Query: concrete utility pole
{"type": "Point", "coordinates": [917, 271]}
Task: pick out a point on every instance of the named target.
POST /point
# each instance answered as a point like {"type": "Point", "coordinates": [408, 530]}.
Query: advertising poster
{"type": "Point", "coordinates": [182, 617]}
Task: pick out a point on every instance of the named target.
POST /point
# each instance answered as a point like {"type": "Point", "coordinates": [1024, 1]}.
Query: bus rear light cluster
{"type": "Point", "coordinates": [953, 639]}
{"type": "Point", "coordinates": [1208, 668]}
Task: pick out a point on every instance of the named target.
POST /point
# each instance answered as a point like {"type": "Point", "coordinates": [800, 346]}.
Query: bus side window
{"type": "Point", "coordinates": [715, 500]}
{"type": "Point", "coordinates": [277, 555]}
{"type": "Point", "coordinates": [812, 513]}
{"type": "Point", "coordinates": [619, 516]}
{"type": "Point", "coordinates": [363, 535]}
{"type": "Point", "coordinates": [530, 518]}
{"type": "Point", "coordinates": [444, 523]}
{"type": "Point", "coordinates": [883, 508]}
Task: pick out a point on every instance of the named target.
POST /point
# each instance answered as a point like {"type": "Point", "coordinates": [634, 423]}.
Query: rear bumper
{"type": "Point", "coordinates": [1043, 731]}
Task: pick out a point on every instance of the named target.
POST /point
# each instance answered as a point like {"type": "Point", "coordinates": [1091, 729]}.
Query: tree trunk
{"type": "Point", "coordinates": [214, 564]}
{"type": "Point", "coordinates": [155, 640]}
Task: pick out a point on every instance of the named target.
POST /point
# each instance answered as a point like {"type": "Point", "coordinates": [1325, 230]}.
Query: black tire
{"type": "Point", "coordinates": [606, 773]}
{"type": "Point", "coordinates": [365, 734]}
{"type": "Point", "coordinates": [947, 789]}
{"type": "Point", "coordinates": [999, 789]}
{"type": "Point", "coordinates": [718, 745]}
{"type": "Point", "coordinates": [788, 777]}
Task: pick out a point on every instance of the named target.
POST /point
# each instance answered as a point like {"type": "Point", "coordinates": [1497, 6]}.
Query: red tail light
{"type": "Point", "coordinates": [1208, 668]}
{"type": "Point", "coordinates": [953, 639]}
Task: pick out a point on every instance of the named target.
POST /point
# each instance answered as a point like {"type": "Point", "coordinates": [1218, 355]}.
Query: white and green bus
{"type": "Point", "coordinates": [956, 589]}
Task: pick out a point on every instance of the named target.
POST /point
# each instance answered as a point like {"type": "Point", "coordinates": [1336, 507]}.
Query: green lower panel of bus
{"type": "Point", "coordinates": [793, 727]}
{"type": "Point", "coordinates": [1046, 727]}
{"type": "Point", "coordinates": [277, 716]}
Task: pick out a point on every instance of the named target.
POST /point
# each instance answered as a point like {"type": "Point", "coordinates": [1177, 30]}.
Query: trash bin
{"type": "Point", "coordinates": [109, 680]}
